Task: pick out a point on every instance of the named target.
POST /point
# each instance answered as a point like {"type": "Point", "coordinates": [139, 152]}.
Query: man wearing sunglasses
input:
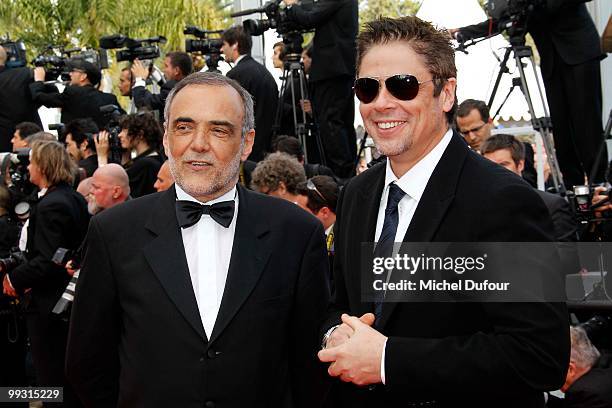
{"type": "Point", "coordinates": [409, 354]}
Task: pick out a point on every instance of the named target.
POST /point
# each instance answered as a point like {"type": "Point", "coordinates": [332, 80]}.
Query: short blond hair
{"type": "Point", "coordinates": [53, 161]}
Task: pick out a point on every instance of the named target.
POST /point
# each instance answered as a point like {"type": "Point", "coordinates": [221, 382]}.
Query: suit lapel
{"type": "Point", "coordinates": [249, 256]}
{"type": "Point", "coordinates": [434, 203]}
{"type": "Point", "coordinates": [166, 256]}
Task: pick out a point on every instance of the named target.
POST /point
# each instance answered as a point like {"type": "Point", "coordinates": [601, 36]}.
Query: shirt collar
{"type": "Point", "coordinates": [415, 180]}
{"type": "Point", "coordinates": [182, 195]}
{"type": "Point", "coordinates": [240, 58]}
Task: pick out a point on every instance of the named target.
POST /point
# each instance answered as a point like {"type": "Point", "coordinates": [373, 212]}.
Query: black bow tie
{"type": "Point", "coordinates": [190, 212]}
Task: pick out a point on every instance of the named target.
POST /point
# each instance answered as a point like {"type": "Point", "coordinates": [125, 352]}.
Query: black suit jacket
{"type": "Point", "coordinates": [562, 216]}
{"type": "Point", "coordinates": [458, 354]}
{"type": "Point", "coordinates": [59, 220]}
{"type": "Point", "coordinates": [16, 104]}
{"type": "Point", "coordinates": [136, 338]}
{"type": "Point", "coordinates": [333, 47]}
{"type": "Point", "coordinates": [259, 82]}
{"type": "Point", "coordinates": [77, 102]}
{"type": "Point", "coordinates": [594, 389]}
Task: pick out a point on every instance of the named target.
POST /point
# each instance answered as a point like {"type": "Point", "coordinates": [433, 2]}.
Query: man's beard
{"type": "Point", "coordinates": [214, 182]}
{"type": "Point", "coordinates": [92, 206]}
{"type": "Point", "coordinates": [393, 147]}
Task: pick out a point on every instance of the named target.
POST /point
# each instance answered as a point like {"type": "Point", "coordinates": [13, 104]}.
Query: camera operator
{"type": "Point", "coordinates": [59, 219]}
{"type": "Point", "coordinates": [80, 99]}
{"type": "Point", "coordinates": [125, 88]}
{"type": "Point", "coordinates": [257, 80]}
{"type": "Point", "coordinates": [332, 75]}
{"type": "Point", "coordinates": [80, 144]}
{"type": "Point", "coordinates": [509, 152]}
{"type": "Point", "coordinates": [142, 135]}
{"type": "Point", "coordinates": [16, 104]}
{"type": "Point", "coordinates": [177, 65]}
{"type": "Point", "coordinates": [570, 54]}
{"type": "Point", "coordinates": [22, 131]}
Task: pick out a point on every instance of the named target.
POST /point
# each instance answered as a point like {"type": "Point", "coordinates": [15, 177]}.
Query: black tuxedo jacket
{"type": "Point", "coordinates": [336, 24]}
{"type": "Point", "coordinates": [77, 102]}
{"type": "Point", "coordinates": [594, 389]}
{"type": "Point", "coordinates": [136, 338]}
{"type": "Point", "coordinates": [458, 354]}
{"type": "Point", "coordinates": [16, 104]}
{"type": "Point", "coordinates": [259, 82]}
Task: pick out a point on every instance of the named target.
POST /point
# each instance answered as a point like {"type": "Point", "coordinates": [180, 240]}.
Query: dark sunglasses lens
{"type": "Point", "coordinates": [366, 89]}
{"type": "Point", "coordinates": [403, 87]}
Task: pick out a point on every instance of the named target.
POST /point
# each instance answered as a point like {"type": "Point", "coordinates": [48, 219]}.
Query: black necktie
{"type": "Point", "coordinates": [189, 213]}
{"type": "Point", "coordinates": [384, 247]}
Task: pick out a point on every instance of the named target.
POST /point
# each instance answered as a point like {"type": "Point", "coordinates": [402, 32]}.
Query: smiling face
{"type": "Point", "coordinates": [405, 131]}
{"type": "Point", "coordinates": [204, 142]}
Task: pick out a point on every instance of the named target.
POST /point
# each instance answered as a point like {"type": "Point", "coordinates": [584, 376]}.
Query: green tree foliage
{"type": "Point", "coordinates": [372, 9]}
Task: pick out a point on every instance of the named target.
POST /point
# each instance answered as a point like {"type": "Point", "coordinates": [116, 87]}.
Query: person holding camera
{"type": "Point", "coordinates": [331, 76]}
{"type": "Point", "coordinates": [16, 104]}
{"type": "Point", "coordinates": [80, 99]}
{"type": "Point", "coordinates": [59, 220]}
{"type": "Point", "coordinates": [570, 55]}
{"type": "Point", "coordinates": [80, 144]}
{"type": "Point", "coordinates": [257, 80]}
{"type": "Point", "coordinates": [177, 65]}
{"type": "Point", "coordinates": [141, 135]}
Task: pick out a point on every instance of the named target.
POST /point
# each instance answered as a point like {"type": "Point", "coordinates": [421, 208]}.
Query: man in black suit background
{"type": "Point", "coordinates": [181, 301]}
{"type": "Point", "coordinates": [80, 99]}
{"type": "Point", "coordinates": [570, 55]}
{"type": "Point", "coordinates": [331, 76]}
{"type": "Point", "coordinates": [16, 104]}
{"type": "Point", "coordinates": [177, 65]}
{"type": "Point", "coordinates": [258, 81]}
{"type": "Point", "coordinates": [509, 152]}
{"type": "Point", "coordinates": [432, 188]}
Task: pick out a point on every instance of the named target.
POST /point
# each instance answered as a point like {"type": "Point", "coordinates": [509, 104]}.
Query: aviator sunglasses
{"type": "Point", "coordinates": [402, 87]}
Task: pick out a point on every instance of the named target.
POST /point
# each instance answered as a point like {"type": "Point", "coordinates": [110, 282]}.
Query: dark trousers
{"type": "Point", "coordinates": [575, 101]}
{"type": "Point", "coordinates": [334, 107]}
{"type": "Point", "coordinates": [48, 338]}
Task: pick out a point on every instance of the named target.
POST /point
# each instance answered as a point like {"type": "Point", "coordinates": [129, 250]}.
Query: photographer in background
{"type": "Point", "coordinates": [332, 75]}
{"type": "Point", "coordinates": [141, 135]}
{"type": "Point", "coordinates": [80, 99]}
{"type": "Point", "coordinates": [22, 131]}
{"type": "Point", "coordinates": [257, 80]}
{"type": "Point", "coordinates": [59, 220]}
{"type": "Point", "coordinates": [16, 104]}
{"type": "Point", "coordinates": [125, 88]}
{"type": "Point", "coordinates": [177, 65]}
{"type": "Point", "coordinates": [80, 144]}
{"type": "Point", "coordinates": [570, 54]}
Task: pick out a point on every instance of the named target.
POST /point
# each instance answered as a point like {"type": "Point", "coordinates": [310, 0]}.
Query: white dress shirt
{"type": "Point", "coordinates": [208, 248]}
{"type": "Point", "coordinates": [412, 183]}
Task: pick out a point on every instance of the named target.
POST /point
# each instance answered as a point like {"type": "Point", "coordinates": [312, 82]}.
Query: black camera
{"type": "Point", "coordinates": [210, 48]}
{"type": "Point", "coordinates": [142, 49]}
{"type": "Point", "coordinates": [276, 14]}
{"type": "Point", "coordinates": [15, 258]}
{"type": "Point", "coordinates": [63, 255]}
{"type": "Point", "coordinates": [580, 200]}
{"type": "Point", "coordinates": [112, 114]}
{"type": "Point", "coordinates": [15, 53]}
{"type": "Point", "coordinates": [55, 66]}
{"type": "Point", "coordinates": [16, 165]}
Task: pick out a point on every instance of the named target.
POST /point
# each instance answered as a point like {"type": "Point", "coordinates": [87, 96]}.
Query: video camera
{"type": "Point", "coordinates": [15, 53]}
{"type": "Point", "coordinates": [276, 12]}
{"type": "Point", "coordinates": [512, 15]}
{"type": "Point", "coordinates": [112, 114]}
{"type": "Point", "coordinates": [142, 49]}
{"type": "Point", "coordinates": [16, 165]}
{"type": "Point", "coordinates": [15, 258]}
{"type": "Point", "coordinates": [56, 60]}
{"type": "Point", "coordinates": [210, 48]}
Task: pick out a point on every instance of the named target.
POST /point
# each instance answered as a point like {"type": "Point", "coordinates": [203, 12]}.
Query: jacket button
{"type": "Point", "coordinates": [210, 404]}
{"type": "Point", "coordinates": [212, 353]}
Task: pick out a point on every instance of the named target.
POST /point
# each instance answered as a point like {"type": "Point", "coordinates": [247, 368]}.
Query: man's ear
{"type": "Point", "coordinates": [447, 96]}
{"type": "Point", "coordinates": [84, 145]}
{"type": "Point", "coordinates": [521, 166]}
{"type": "Point", "coordinates": [247, 147]}
{"type": "Point", "coordinates": [165, 141]}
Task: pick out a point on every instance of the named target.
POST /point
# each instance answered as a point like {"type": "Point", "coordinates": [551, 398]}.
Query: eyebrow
{"type": "Point", "coordinates": [222, 123]}
{"type": "Point", "coordinates": [183, 119]}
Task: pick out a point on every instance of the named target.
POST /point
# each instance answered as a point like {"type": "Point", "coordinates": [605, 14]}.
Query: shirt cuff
{"type": "Point", "coordinates": [382, 364]}
{"type": "Point", "coordinates": [139, 82]}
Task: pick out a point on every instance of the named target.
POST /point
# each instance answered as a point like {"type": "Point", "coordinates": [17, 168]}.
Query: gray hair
{"type": "Point", "coordinates": [584, 354]}
{"type": "Point", "coordinates": [40, 136]}
{"type": "Point", "coordinates": [214, 79]}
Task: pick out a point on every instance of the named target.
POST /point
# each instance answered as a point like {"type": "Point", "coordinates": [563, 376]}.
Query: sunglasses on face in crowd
{"type": "Point", "coordinates": [404, 87]}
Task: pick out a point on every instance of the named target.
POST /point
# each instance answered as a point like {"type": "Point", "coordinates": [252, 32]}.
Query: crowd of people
{"type": "Point", "coordinates": [218, 265]}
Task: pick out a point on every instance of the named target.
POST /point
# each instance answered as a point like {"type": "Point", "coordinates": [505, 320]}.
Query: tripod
{"type": "Point", "coordinates": [542, 125]}
{"type": "Point", "coordinates": [294, 77]}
